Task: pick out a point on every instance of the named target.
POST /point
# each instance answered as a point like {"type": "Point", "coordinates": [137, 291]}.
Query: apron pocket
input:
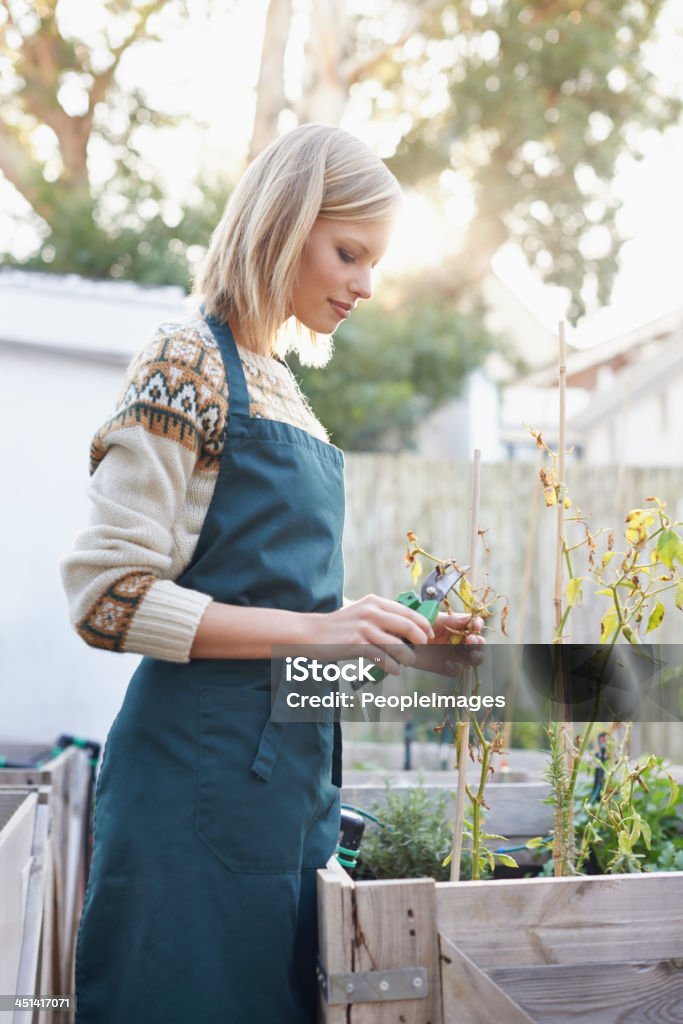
{"type": "Point", "coordinates": [253, 826]}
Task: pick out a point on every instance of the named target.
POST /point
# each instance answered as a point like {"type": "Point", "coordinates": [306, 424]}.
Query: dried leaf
{"type": "Point", "coordinates": [637, 522]}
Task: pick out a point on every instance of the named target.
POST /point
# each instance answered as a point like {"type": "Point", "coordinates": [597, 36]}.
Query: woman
{"type": "Point", "coordinates": [215, 534]}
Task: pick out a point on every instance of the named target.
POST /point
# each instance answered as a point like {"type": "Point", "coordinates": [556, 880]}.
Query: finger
{"type": "Point", "coordinates": [414, 628]}
{"type": "Point", "coordinates": [394, 608]}
{"type": "Point", "coordinates": [461, 622]}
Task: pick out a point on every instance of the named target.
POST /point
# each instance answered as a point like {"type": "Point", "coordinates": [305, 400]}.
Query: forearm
{"type": "Point", "coordinates": [233, 631]}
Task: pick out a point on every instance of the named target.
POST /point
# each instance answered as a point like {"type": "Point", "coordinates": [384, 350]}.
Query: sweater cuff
{"type": "Point", "coordinates": [165, 624]}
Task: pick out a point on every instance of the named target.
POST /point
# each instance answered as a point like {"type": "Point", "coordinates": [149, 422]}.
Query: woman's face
{"type": "Point", "coordinates": [335, 270]}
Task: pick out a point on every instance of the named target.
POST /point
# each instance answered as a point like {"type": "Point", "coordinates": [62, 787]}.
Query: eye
{"type": "Point", "coordinates": [345, 256]}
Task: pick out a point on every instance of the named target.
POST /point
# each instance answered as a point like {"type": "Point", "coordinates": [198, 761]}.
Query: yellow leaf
{"type": "Point", "coordinates": [679, 595]}
{"type": "Point", "coordinates": [608, 624]}
{"type": "Point", "coordinates": [606, 559]}
{"type": "Point", "coordinates": [574, 593]}
{"type": "Point", "coordinates": [466, 594]}
{"type": "Point", "coordinates": [656, 617]}
{"type": "Point", "coordinates": [637, 522]}
{"type": "Point", "coordinates": [415, 571]}
{"type": "Point", "coordinates": [567, 504]}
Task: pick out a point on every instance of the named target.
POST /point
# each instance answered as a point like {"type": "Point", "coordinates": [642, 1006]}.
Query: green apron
{"type": "Point", "coordinates": [210, 819]}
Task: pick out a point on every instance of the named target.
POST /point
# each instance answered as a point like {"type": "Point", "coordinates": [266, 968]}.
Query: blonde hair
{"type": "Point", "coordinates": [250, 269]}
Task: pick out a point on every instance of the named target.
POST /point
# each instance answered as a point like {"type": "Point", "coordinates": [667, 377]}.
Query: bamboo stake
{"type": "Point", "coordinates": [560, 839]}
{"type": "Point", "coordinates": [530, 561]}
{"type": "Point", "coordinates": [463, 727]}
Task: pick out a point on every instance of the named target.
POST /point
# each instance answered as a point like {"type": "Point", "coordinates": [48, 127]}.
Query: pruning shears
{"type": "Point", "coordinates": [434, 590]}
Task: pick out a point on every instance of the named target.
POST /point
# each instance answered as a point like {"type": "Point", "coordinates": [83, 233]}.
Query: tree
{"type": "Point", "coordinates": [63, 88]}
{"type": "Point", "coordinates": [393, 366]}
{"type": "Point", "coordinates": [532, 105]}
{"type": "Point", "coordinates": [536, 105]}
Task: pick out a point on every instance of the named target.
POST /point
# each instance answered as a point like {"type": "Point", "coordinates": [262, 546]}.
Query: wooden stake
{"type": "Point", "coordinates": [561, 840]}
{"type": "Point", "coordinates": [463, 727]}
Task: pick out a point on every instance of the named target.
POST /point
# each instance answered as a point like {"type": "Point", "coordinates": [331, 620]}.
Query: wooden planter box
{"type": "Point", "coordinates": [65, 781]}
{"type": "Point", "coordinates": [604, 949]}
{"type": "Point", "coordinates": [25, 870]}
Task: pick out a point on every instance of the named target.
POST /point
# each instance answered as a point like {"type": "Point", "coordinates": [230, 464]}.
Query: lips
{"type": "Point", "coordinates": [342, 309]}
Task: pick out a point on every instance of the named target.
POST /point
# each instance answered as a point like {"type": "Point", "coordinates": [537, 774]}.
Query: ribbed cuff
{"type": "Point", "coordinates": [165, 624]}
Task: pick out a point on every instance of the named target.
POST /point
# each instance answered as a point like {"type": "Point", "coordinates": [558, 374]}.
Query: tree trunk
{"type": "Point", "coordinates": [326, 84]}
{"type": "Point", "coordinates": [270, 91]}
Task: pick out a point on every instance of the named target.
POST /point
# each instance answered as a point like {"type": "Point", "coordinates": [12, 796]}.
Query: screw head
{"type": "Point", "coordinates": [417, 982]}
{"type": "Point", "coordinates": [384, 985]}
{"type": "Point", "coordinates": [349, 986]}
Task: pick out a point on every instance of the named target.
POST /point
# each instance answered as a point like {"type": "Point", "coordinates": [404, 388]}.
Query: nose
{"type": "Point", "coordinates": [362, 283]}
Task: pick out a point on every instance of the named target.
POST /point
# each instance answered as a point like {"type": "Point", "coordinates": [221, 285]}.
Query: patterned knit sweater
{"type": "Point", "coordinates": [153, 467]}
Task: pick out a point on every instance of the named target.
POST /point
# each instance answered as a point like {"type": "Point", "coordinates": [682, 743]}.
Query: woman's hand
{"type": "Point", "coordinates": [466, 626]}
{"type": "Point", "coordinates": [373, 627]}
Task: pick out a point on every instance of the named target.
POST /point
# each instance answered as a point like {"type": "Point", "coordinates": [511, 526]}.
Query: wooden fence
{"type": "Point", "coordinates": [388, 495]}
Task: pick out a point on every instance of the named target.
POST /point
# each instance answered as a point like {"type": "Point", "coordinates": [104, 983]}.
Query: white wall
{"type": "Point", "coordinates": [644, 432]}
{"type": "Point", "coordinates": [50, 681]}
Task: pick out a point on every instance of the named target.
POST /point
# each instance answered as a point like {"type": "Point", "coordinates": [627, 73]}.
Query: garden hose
{"type": "Point", "coordinates": [351, 834]}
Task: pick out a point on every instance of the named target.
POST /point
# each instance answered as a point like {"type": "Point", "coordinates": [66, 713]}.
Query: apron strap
{"type": "Point", "coordinates": [238, 396]}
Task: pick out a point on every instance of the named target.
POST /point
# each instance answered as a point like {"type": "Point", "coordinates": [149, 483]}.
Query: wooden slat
{"type": "Point", "coordinates": [646, 991]}
{"type": "Point", "coordinates": [16, 839]}
{"type": "Point", "coordinates": [335, 930]}
{"type": "Point", "coordinates": [470, 996]}
{"type": "Point", "coordinates": [395, 926]}
{"type": "Point", "coordinates": [596, 919]}
{"type": "Point", "coordinates": [27, 974]}
{"type": "Point", "coordinates": [516, 809]}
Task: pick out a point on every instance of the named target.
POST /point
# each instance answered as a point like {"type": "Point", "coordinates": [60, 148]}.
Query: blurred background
{"type": "Point", "coordinates": [540, 147]}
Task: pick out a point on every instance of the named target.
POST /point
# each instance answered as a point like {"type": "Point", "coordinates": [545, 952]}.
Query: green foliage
{"type": "Point", "coordinates": [62, 103]}
{"type": "Point", "coordinates": [632, 822]}
{"type": "Point", "coordinates": [538, 103]}
{"type": "Point", "coordinates": [415, 840]}
{"type": "Point", "coordinates": [150, 251]}
{"type": "Point", "coordinates": [391, 367]}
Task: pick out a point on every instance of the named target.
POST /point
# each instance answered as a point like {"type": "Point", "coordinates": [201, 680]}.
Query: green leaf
{"type": "Point", "coordinates": [673, 792]}
{"type": "Point", "coordinates": [608, 624]}
{"type": "Point", "coordinates": [647, 832]}
{"type": "Point", "coordinates": [606, 559]}
{"type": "Point", "coordinates": [536, 842]}
{"type": "Point", "coordinates": [446, 861]}
{"type": "Point", "coordinates": [507, 860]}
{"type": "Point", "coordinates": [670, 547]}
{"type": "Point", "coordinates": [655, 617]}
{"type": "Point", "coordinates": [624, 843]}
{"type": "Point", "coordinates": [574, 592]}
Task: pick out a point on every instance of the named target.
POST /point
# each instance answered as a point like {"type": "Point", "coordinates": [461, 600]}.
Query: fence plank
{"type": "Point", "coordinates": [602, 993]}
{"type": "Point", "coordinates": [335, 930]}
{"type": "Point", "coordinates": [395, 926]}
{"type": "Point", "coordinates": [594, 919]}
{"type": "Point", "coordinates": [470, 996]}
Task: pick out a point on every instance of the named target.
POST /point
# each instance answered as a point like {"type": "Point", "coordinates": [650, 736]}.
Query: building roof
{"type": "Point", "coordinates": [643, 377]}
{"type": "Point", "coordinates": [622, 349]}
{"type": "Point", "coordinates": [76, 316]}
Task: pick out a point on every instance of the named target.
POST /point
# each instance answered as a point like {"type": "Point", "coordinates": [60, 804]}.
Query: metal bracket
{"type": "Point", "coordinates": [373, 986]}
